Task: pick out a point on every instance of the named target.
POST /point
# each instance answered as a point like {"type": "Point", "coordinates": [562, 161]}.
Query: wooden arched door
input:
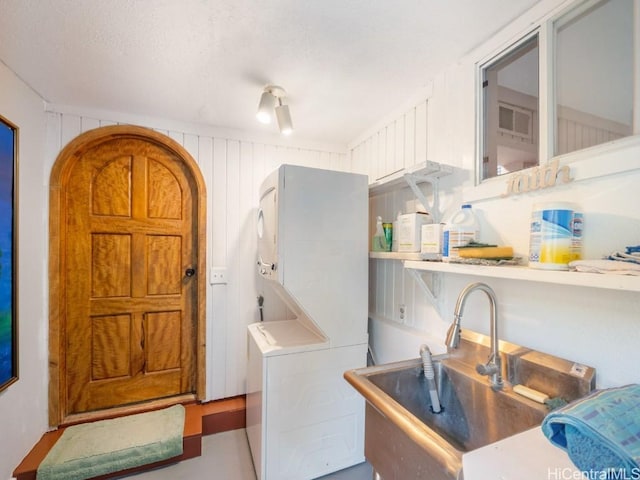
{"type": "Point", "coordinates": [127, 274]}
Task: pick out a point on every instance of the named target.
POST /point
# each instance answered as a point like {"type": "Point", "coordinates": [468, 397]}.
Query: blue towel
{"type": "Point", "coordinates": [600, 432]}
{"type": "Point", "coordinates": [631, 254]}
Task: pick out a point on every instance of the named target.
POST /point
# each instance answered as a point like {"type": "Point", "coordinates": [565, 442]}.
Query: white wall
{"type": "Point", "coordinates": [23, 406]}
{"type": "Point", "coordinates": [593, 326]}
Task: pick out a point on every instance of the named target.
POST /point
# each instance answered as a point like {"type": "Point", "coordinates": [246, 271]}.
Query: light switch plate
{"type": "Point", "coordinates": [218, 276]}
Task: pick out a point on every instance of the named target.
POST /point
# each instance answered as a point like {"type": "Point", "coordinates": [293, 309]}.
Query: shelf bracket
{"type": "Point", "coordinates": [432, 207]}
{"type": "Point", "coordinates": [432, 290]}
{"type": "Point", "coordinates": [425, 172]}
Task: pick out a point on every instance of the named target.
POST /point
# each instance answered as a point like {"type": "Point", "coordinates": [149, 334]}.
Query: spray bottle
{"type": "Point", "coordinates": [379, 243]}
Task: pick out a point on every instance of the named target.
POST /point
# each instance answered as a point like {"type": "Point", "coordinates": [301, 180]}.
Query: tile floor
{"type": "Point", "coordinates": [226, 456]}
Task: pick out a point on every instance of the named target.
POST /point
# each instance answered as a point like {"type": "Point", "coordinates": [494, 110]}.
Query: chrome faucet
{"type": "Point", "coordinates": [493, 367]}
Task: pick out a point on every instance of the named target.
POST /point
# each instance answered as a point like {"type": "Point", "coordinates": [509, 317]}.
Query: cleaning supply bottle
{"type": "Point", "coordinates": [394, 238]}
{"type": "Point", "coordinates": [387, 228]}
{"type": "Point", "coordinates": [461, 229]}
{"type": "Point", "coordinates": [379, 243]}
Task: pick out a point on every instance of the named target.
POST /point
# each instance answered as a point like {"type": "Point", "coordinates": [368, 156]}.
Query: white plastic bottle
{"type": "Point", "coordinates": [461, 229]}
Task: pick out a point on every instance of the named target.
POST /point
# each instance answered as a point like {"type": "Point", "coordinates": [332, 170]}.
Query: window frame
{"type": "Point", "coordinates": [621, 151]}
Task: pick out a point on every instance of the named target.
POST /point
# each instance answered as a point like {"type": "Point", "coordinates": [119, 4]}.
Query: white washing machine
{"type": "Point", "coordinates": [303, 419]}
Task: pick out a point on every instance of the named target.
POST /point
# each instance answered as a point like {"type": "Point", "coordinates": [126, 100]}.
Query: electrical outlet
{"type": "Point", "coordinates": [403, 310]}
{"type": "Point", "coordinates": [218, 276]}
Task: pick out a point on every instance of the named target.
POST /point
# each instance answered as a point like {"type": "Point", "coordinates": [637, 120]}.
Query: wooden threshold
{"type": "Point", "coordinates": [116, 412]}
{"type": "Point", "coordinates": [200, 419]}
{"type": "Point", "coordinates": [224, 415]}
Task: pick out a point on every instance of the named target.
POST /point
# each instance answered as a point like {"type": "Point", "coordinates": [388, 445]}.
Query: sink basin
{"type": "Point", "coordinates": [405, 439]}
{"type": "Point", "coordinates": [474, 415]}
{"type": "Point", "coordinates": [399, 417]}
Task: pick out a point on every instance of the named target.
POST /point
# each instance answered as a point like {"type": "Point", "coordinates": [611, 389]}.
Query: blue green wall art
{"type": "Point", "coordinates": [8, 257]}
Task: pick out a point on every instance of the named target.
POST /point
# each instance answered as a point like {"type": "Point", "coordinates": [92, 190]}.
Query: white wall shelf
{"type": "Point", "coordinates": [425, 172]}
{"type": "Point", "coordinates": [416, 267]}
{"type": "Point", "coordinates": [629, 283]}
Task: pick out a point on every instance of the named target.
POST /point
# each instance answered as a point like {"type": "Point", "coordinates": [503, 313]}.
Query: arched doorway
{"type": "Point", "coordinates": [126, 275]}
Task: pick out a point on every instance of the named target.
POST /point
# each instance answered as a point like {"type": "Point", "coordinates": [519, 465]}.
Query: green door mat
{"type": "Point", "coordinates": [93, 449]}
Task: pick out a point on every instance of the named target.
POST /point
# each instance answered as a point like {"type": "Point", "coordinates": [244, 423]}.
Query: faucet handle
{"type": "Point", "coordinates": [491, 369]}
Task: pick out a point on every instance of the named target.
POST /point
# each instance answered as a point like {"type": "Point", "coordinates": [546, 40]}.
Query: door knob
{"type": "Point", "coordinates": [190, 272]}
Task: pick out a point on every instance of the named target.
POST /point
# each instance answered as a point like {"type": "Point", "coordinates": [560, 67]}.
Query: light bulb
{"type": "Point", "coordinates": [265, 107]}
{"type": "Point", "coordinates": [284, 119]}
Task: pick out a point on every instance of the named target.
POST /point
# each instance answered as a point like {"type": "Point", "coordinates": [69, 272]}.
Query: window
{"type": "Point", "coordinates": [515, 120]}
{"type": "Point", "coordinates": [593, 75]}
{"type": "Point", "coordinates": [510, 98]}
{"type": "Point", "coordinates": [588, 95]}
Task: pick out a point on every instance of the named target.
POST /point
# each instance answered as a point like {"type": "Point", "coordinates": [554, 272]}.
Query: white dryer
{"type": "Point", "coordinates": [303, 419]}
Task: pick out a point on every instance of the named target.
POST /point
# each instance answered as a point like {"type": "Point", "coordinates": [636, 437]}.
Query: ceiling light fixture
{"type": "Point", "coordinates": [272, 100]}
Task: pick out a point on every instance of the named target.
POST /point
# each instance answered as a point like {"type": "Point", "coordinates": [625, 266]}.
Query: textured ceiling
{"type": "Point", "coordinates": [344, 63]}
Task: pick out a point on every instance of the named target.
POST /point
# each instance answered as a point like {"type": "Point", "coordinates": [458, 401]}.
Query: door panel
{"type": "Point", "coordinates": [110, 342]}
{"type": "Point", "coordinates": [162, 351]}
{"type": "Point", "coordinates": [164, 265]}
{"type": "Point", "coordinates": [130, 323]}
{"type": "Point", "coordinates": [165, 194]}
{"type": "Point", "coordinates": [112, 188]}
{"type": "Point", "coordinates": [109, 278]}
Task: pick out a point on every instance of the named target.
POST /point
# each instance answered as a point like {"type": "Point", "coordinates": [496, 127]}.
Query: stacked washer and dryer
{"type": "Point", "coordinates": [303, 419]}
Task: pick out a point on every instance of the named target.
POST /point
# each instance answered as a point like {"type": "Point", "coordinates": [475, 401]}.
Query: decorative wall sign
{"type": "Point", "coordinates": [538, 177]}
{"type": "Point", "coordinates": [8, 253]}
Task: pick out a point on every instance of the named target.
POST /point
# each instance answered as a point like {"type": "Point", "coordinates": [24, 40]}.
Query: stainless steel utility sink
{"type": "Point", "coordinates": [405, 439]}
{"type": "Point", "coordinates": [474, 415]}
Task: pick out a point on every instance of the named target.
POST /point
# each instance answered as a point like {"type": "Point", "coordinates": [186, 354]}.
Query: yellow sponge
{"type": "Point", "coordinates": [486, 252]}
{"type": "Point", "coordinates": [530, 393]}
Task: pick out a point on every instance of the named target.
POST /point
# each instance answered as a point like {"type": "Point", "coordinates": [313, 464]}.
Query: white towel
{"type": "Point", "coordinates": [605, 266]}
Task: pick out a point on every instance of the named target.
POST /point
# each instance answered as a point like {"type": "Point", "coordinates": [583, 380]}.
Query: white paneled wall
{"type": "Point", "coordinates": [578, 130]}
{"type": "Point", "coordinates": [399, 144]}
{"type": "Point", "coordinates": [233, 170]}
